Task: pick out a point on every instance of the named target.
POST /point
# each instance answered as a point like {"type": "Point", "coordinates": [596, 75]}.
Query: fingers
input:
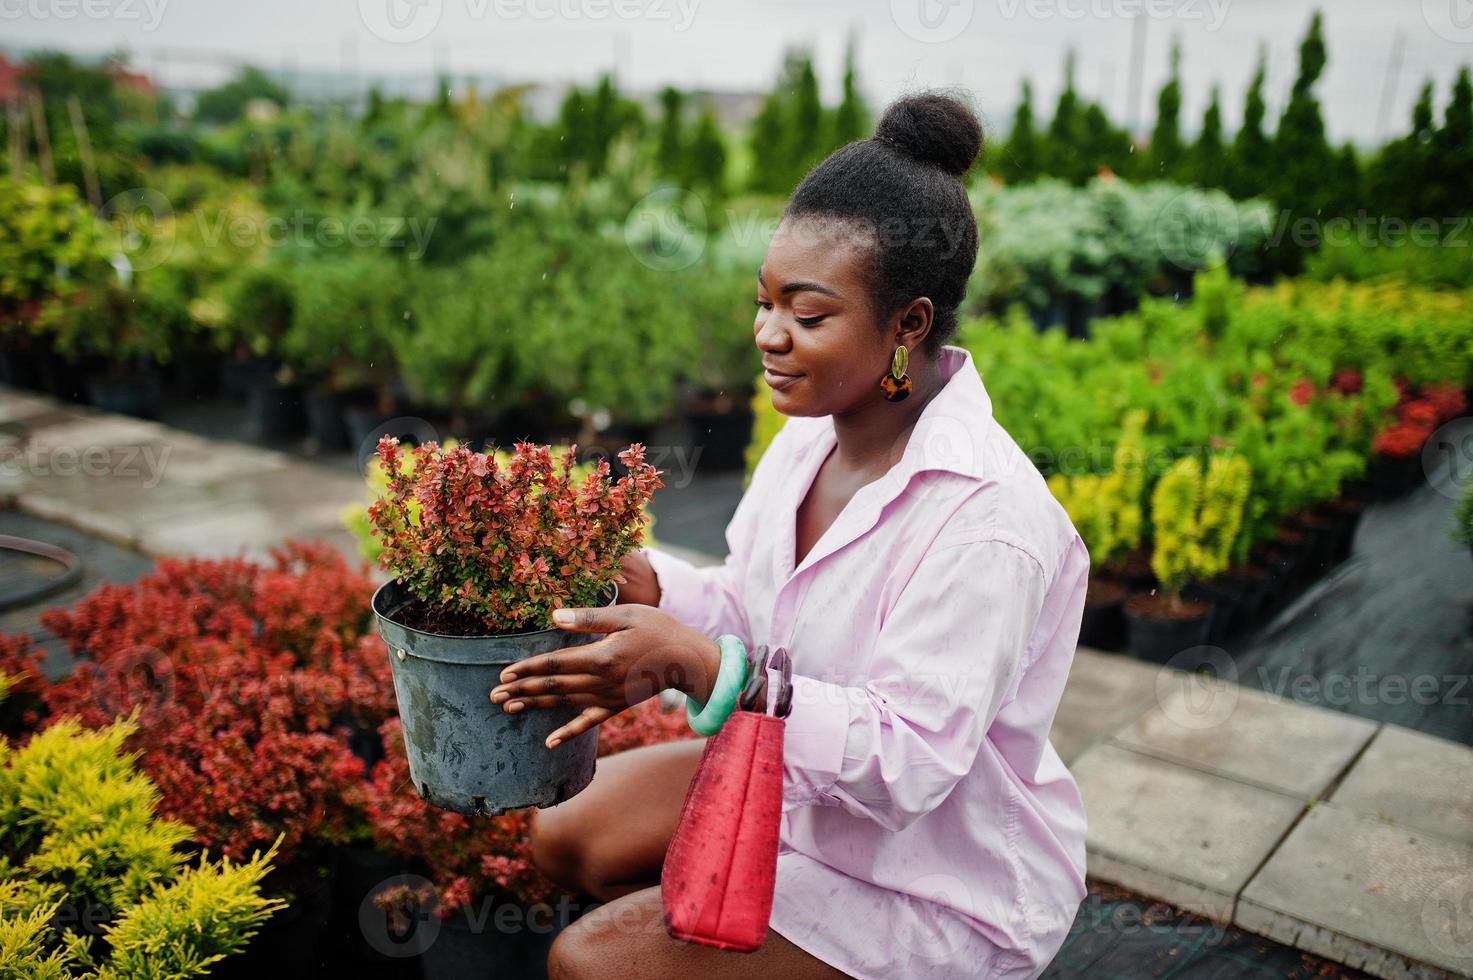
{"type": "Point", "coordinates": [549, 689]}
{"type": "Point", "coordinates": [590, 658]}
{"type": "Point", "coordinates": [601, 619]}
{"type": "Point", "coordinates": [581, 699]}
{"type": "Point", "coordinates": [590, 717]}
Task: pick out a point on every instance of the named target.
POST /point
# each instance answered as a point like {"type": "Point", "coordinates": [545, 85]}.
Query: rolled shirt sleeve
{"type": "Point", "coordinates": [711, 599]}
{"type": "Point", "coordinates": [946, 658]}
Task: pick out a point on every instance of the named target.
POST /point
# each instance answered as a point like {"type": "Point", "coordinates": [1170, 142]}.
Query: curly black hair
{"type": "Point", "coordinates": [901, 190]}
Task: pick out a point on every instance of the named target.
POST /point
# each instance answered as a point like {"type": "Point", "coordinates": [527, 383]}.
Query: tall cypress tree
{"type": "Point", "coordinates": [807, 132]}
{"type": "Point", "coordinates": [851, 117]}
{"type": "Point", "coordinates": [1452, 152]}
{"type": "Point", "coordinates": [1061, 156]}
{"type": "Point", "coordinates": [670, 143]}
{"type": "Point", "coordinates": [1167, 148]}
{"type": "Point", "coordinates": [1023, 160]}
{"type": "Point", "coordinates": [1252, 149]}
{"type": "Point", "coordinates": [1399, 179]}
{"type": "Point", "coordinates": [1208, 166]}
{"type": "Point", "coordinates": [707, 161]}
{"type": "Point", "coordinates": [1303, 154]}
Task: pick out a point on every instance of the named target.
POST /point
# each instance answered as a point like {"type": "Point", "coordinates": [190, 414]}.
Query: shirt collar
{"type": "Point", "coordinates": [951, 433]}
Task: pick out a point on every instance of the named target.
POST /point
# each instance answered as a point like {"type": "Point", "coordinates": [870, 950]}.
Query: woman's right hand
{"type": "Point", "coordinates": [638, 584]}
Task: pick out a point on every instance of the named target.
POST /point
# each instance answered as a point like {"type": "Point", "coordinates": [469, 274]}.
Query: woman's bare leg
{"type": "Point", "coordinates": [611, 838]}
{"type": "Point", "coordinates": [626, 938]}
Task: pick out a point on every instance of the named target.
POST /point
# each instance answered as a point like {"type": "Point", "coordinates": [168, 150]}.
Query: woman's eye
{"type": "Point", "coordinates": [761, 305]}
{"type": "Point", "coordinates": [808, 321]}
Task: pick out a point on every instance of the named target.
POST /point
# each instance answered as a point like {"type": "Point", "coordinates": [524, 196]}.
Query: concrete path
{"type": "Point", "coordinates": [1346, 837]}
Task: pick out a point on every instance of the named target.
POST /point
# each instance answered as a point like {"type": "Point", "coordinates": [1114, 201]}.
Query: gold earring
{"type": "Point", "coordinates": [895, 386]}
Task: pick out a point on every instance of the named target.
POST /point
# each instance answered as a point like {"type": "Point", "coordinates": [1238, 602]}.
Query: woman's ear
{"type": "Point", "coordinates": [914, 322]}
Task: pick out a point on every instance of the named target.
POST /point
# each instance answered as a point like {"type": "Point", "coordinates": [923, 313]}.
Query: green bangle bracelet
{"type": "Point", "coordinates": [708, 719]}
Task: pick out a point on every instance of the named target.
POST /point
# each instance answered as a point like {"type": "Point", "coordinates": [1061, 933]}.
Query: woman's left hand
{"type": "Point", "coordinates": [645, 651]}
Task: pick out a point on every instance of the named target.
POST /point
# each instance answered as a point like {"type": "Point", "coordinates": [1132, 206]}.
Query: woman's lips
{"type": "Point", "coordinates": [780, 381]}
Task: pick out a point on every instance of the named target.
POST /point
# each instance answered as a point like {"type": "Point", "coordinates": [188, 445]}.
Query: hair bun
{"type": "Point", "coordinates": [933, 128]}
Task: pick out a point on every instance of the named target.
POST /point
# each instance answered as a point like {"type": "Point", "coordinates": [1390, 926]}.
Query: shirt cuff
{"type": "Point", "coordinates": [682, 591]}
{"type": "Point", "coordinates": [814, 738]}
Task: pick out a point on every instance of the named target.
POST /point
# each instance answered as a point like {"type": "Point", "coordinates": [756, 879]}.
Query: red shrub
{"type": "Point", "coordinates": [1402, 439]}
{"type": "Point", "coordinates": [1448, 400]}
{"type": "Point", "coordinates": [241, 674]}
{"type": "Point", "coordinates": [1302, 393]}
{"type": "Point", "coordinates": [22, 705]}
{"type": "Point", "coordinates": [506, 544]}
{"type": "Point", "coordinates": [1420, 413]}
{"type": "Point", "coordinates": [1348, 381]}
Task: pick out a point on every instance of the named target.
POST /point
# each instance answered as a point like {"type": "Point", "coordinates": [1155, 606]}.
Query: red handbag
{"type": "Point", "coordinates": [717, 880]}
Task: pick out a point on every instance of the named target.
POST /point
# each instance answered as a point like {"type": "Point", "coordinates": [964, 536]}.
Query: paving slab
{"type": "Point", "coordinates": [1104, 692]}
{"type": "Point", "coordinates": [1188, 837]}
{"type": "Point", "coordinates": [1413, 781]}
{"type": "Point", "coordinates": [1217, 726]}
{"type": "Point", "coordinates": [1386, 899]}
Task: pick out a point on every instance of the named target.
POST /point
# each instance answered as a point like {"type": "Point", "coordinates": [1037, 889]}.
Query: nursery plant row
{"type": "Point", "coordinates": [1215, 455]}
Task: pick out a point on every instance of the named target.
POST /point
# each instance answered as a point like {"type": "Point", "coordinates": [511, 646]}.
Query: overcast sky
{"type": "Point", "coordinates": [1380, 50]}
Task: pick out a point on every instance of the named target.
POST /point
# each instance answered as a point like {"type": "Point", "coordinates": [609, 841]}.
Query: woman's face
{"type": "Point", "coordinates": [815, 324]}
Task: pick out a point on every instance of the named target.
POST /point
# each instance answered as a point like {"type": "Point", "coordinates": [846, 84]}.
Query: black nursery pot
{"type": "Point", "coordinates": [137, 394]}
{"type": "Point", "coordinates": [275, 411]}
{"type": "Point", "coordinates": [1103, 622]}
{"type": "Point", "coordinates": [325, 420]}
{"type": "Point", "coordinates": [290, 943]}
{"type": "Point", "coordinates": [472, 945]}
{"type": "Point", "coordinates": [1158, 638]}
{"type": "Point", "coordinates": [1226, 596]}
{"type": "Point", "coordinates": [721, 438]}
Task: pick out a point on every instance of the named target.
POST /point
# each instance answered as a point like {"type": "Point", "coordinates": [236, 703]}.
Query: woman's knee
{"type": "Point", "coordinates": [556, 849]}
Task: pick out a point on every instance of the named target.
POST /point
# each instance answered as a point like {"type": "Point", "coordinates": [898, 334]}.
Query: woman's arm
{"type": "Point", "coordinates": [955, 646]}
{"type": "Point", "coordinates": [710, 599]}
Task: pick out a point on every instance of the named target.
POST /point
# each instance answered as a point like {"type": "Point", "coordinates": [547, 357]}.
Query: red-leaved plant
{"type": "Point", "coordinates": [490, 547]}
{"type": "Point", "coordinates": [470, 857]}
{"type": "Point", "coordinates": [243, 675]}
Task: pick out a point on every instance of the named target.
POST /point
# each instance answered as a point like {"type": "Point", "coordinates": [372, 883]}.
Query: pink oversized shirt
{"type": "Point", "coordinates": [929, 828]}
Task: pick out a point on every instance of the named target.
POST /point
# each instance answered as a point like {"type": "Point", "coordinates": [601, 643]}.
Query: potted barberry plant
{"type": "Point", "coordinates": [482, 552]}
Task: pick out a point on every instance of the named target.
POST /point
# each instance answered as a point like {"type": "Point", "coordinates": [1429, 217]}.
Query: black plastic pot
{"type": "Point", "coordinates": [1347, 512]}
{"type": "Point", "coordinates": [471, 946]}
{"type": "Point", "coordinates": [360, 873]}
{"type": "Point", "coordinates": [720, 440]}
{"type": "Point", "coordinates": [240, 376]}
{"type": "Point", "coordinates": [275, 411]}
{"type": "Point", "coordinates": [465, 753]}
{"type": "Point", "coordinates": [1103, 623]}
{"type": "Point", "coordinates": [1252, 584]}
{"type": "Point", "coordinates": [136, 394]}
{"type": "Point", "coordinates": [1226, 596]}
{"type": "Point", "coordinates": [291, 942]}
{"type": "Point", "coordinates": [325, 420]}
{"type": "Point", "coordinates": [195, 374]}
{"type": "Point", "coordinates": [1392, 476]}
{"type": "Point", "coordinates": [1159, 639]}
